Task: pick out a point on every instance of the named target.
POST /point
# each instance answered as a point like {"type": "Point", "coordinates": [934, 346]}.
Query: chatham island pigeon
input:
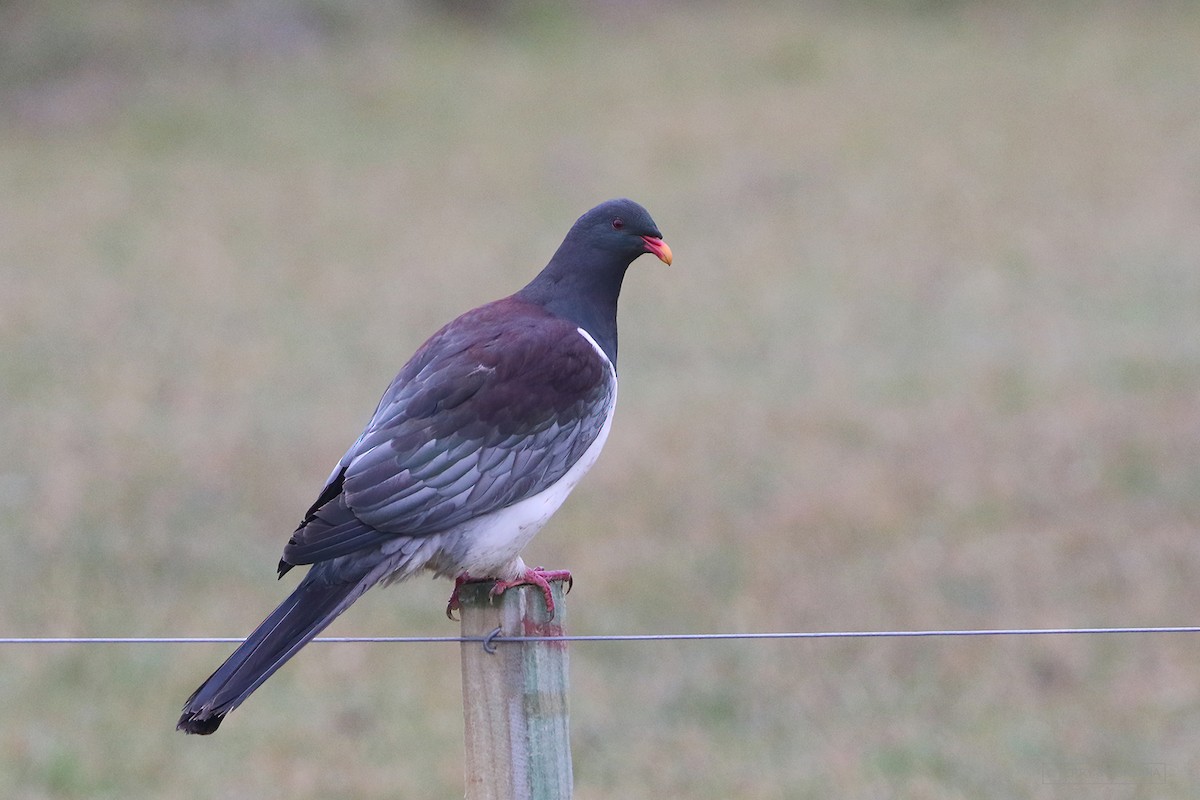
{"type": "Point", "coordinates": [475, 444]}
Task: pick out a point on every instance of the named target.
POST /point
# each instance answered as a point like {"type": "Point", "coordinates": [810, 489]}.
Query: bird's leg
{"type": "Point", "coordinates": [539, 577]}
{"type": "Point", "coordinates": [455, 604]}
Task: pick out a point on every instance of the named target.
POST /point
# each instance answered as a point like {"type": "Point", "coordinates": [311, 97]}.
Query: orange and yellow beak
{"type": "Point", "coordinates": [658, 247]}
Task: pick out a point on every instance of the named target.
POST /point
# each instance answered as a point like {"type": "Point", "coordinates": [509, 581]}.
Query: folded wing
{"type": "Point", "coordinates": [484, 415]}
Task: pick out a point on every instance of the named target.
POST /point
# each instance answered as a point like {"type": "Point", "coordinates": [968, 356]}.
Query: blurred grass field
{"type": "Point", "coordinates": [929, 357]}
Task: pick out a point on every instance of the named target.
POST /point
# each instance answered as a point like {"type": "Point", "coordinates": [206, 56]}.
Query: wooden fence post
{"type": "Point", "coordinates": [518, 745]}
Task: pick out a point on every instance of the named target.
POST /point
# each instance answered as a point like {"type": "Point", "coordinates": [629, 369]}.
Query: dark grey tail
{"type": "Point", "coordinates": [304, 614]}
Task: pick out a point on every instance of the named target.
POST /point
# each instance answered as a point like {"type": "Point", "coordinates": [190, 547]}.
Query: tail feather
{"type": "Point", "coordinates": [305, 613]}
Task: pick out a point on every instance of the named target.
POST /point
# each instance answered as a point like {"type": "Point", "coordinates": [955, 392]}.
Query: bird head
{"type": "Point", "coordinates": [622, 227]}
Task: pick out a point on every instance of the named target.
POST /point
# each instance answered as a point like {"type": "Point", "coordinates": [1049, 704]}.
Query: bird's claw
{"type": "Point", "coordinates": [538, 576]}
{"type": "Point", "coordinates": [455, 603]}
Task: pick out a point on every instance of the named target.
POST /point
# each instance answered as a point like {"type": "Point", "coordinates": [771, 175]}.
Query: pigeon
{"type": "Point", "coordinates": [475, 444]}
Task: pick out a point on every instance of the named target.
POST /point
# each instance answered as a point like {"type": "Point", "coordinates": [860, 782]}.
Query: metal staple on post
{"type": "Point", "coordinates": [518, 744]}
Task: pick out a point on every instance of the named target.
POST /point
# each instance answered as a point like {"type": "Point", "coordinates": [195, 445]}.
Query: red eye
{"type": "Point", "coordinates": [618, 223]}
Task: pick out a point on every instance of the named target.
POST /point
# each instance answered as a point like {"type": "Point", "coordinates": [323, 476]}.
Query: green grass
{"type": "Point", "coordinates": [929, 357]}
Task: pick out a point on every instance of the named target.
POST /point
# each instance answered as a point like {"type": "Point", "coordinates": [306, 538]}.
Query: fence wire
{"type": "Point", "coordinates": [494, 637]}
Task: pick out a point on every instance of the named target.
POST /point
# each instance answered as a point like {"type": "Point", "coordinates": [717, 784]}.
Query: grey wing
{"type": "Point", "coordinates": [451, 445]}
{"type": "Point", "coordinates": [453, 478]}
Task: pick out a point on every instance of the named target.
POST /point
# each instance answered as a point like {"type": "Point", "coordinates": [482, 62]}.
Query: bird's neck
{"type": "Point", "coordinates": [568, 288]}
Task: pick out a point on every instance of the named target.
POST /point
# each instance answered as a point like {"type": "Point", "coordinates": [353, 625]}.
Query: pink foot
{"type": "Point", "coordinates": [455, 604]}
{"type": "Point", "coordinates": [539, 577]}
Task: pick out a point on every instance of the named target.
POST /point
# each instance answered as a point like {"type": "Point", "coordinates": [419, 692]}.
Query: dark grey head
{"type": "Point", "coordinates": [620, 228]}
{"type": "Point", "coordinates": [583, 279]}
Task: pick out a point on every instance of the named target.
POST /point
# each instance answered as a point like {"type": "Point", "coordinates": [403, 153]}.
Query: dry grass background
{"type": "Point", "coordinates": [929, 357]}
